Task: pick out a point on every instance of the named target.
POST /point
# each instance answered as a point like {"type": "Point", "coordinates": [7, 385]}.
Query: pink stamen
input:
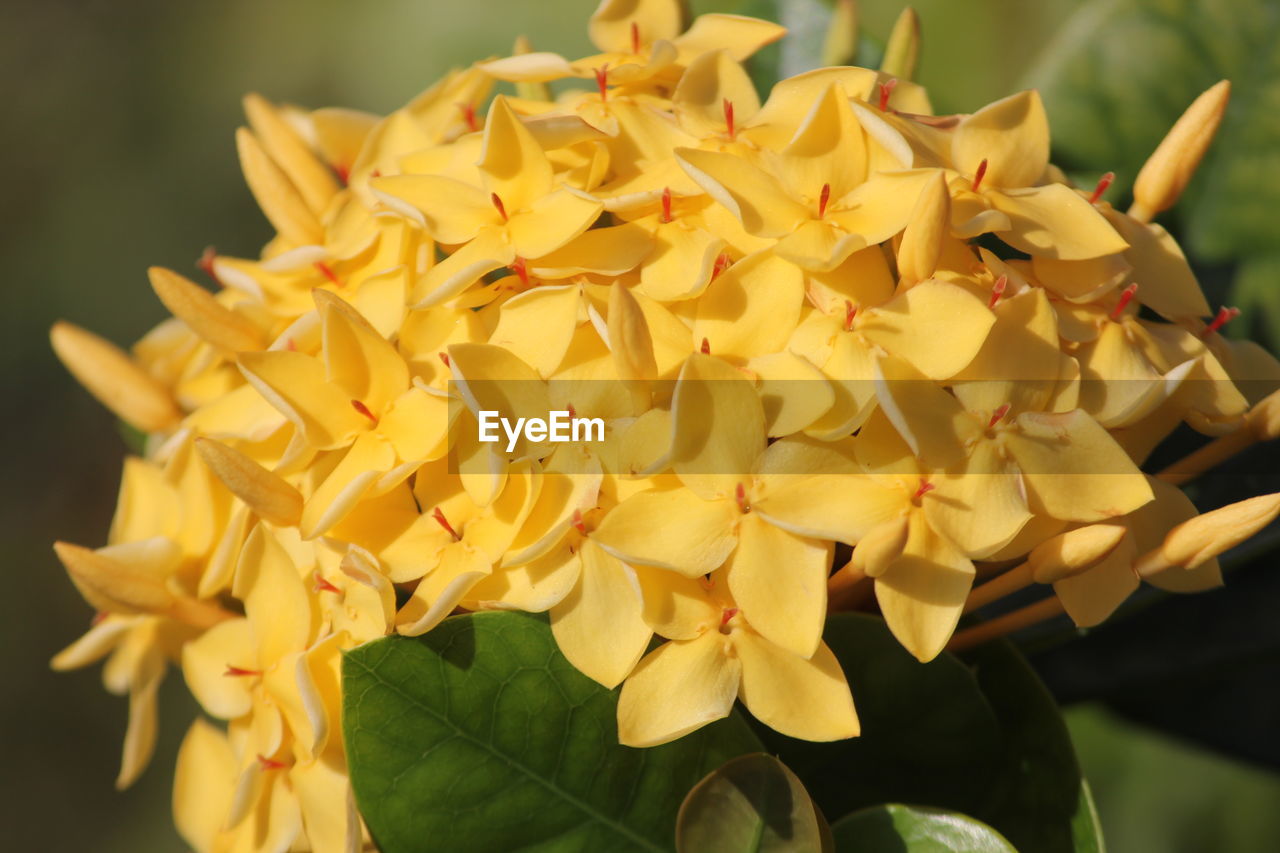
{"type": "Point", "coordinates": [979, 174]}
{"type": "Point", "coordinates": [578, 524]}
{"type": "Point", "coordinates": [438, 515]}
{"type": "Point", "coordinates": [635, 37]}
{"type": "Point", "coordinates": [730, 127]}
{"type": "Point", "coordinates": [998, 415]}
{"type": "Point", "coordinates": [1125, 298]}
{"type": "Point", "coordinates": [444, 357]}
{"type": "Point", "coordinates": [327, 272]}
{"type": "Point", "coordinates": [823, 198]}
{"type": "Point", "coordinates": [469, 116]}
{"type": "Point", "coordinates": [925, 488]}
{"type": "Point", "coordinates": [886, 90]}
{"type": "Point", "coordinates": [705, 349]}
{"type": "Point", "coordinates": [740, 495]}
{"type": "Point", "coordinates": [497, 203]}
{"type": "Point", "coordinates": [850, 311]}
{"type": "Point", "coordinates": [666, 204]}
{"type": "Point", "coordinates": [573, 413]}
{"type": "Point", "coordinates": [521, 269]}
{"type": "Point", "coordinates": [239, 672]}
{"type": "Point", "coordinates": [1225, 316]}
{"type": "Point", "coordinates": [364, 410]}
{"type": "Point", "coordinates": [727, 614]}
{"type": "Point", "coordinates": [997, 290]}
{"type": "Point", "coordinates": [1103, 183]}
{"type": "Point", "coordinates": [602, 81]}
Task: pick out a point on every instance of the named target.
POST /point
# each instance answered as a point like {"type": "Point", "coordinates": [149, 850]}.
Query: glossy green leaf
{"type": "Point", "coordinates": [1121, 73]}
{"type": "Point", "coordinates": [752, 804]}
{"type": "Point", "coordinates": [915, 829]}
{"type": "Point", "coordinates": [481, 736]}
{"type": "Point", "coordinates": [1086, 829]}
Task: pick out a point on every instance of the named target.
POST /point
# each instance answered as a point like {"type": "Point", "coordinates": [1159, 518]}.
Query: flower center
{"type": "Point", "coordinates": [1125, 298]}
{"type": "Point", "coordinates": [364, 410]}
{"type": "Point", "coordinates": [438, 515]}
{"type": "Point", "coordinates": [979, 174]}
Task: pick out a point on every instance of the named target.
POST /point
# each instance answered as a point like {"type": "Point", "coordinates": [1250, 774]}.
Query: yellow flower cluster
{"type": "Point", "coordinates": [828, 320]}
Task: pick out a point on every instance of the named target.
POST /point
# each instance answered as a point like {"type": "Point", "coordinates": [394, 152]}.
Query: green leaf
{"type": "Point", "coordinates": [928, 734]}
{"type": "Point", "coordinates": [914, 829]}
{"type": "Point", "coordinates": [1121, 73]}
{"type": "Point", "coordinates": [1086, 829]}
{"type": "Point", "coordinates": [481, 736]}
{"type": "Point", "coordinates": [751, 804]}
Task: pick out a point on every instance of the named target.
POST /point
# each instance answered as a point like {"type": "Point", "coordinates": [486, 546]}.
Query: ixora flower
{"type": "Point", "coordinates": [830, 321]}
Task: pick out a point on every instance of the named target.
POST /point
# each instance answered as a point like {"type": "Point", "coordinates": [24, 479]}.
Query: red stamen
{"type": "Point", "coordinates": [207, 257]}
{"type": "Point", "coordinates": [1103, 183]}
{"type": "Point", "coordinates": [925, 488]}
{"type": "Point", "coordinates": [979, 174]}
{"type": "Point", "coordinates": [376, 173]}
{"type": "Point", "coordinates": [1125, 298]}
{"type": "Point", "coordinates": [706, 347]}
{"type": "Point", "coordinates": [823, 198]}
{"type": "Point", "coordinates": [270, 763]}
{"type": "Point", "coordinates": [997, 290]}
{"type": "Point", "coordinates": [886, 89]}
{"type": "Point", "coordinates": [469, 116]}
{"type": "Point", "coordinates": [850, 311]}
{"type": "Point", "coordinates": [578, 524]}
{"type": "Point", "coordinates": [343, 173]}
{"type": "Point", "coordinates": [322, 585]}
{"type": "Point", "coordinates": [666, 204]}
{"type": "Point", "coordinates": [998, 415]}
{"type": "Point", "coordinates": [238, 672]}
{"type": "Point", "coordinates": [602, 81]}
{"type": "Point", "coordinates": [291, 345]}
{"type": "Point", "coordinates": [444, 356]}
{"type": "Point", "coordinates": [730, 127]}
{"type": "Point", "coordinates": [635, 37]}
{"type": "Point", "coordinates": [1225, 316]}
{"type": "Point", "coordinates": [444, 522]}
{"type": "Point", "coordinates": [723, 262]}
{"type": "Point", "coordinates": [497, 203]}
{"type": "Point", "coordinates": [364, 410]}
{"type": "Point", "coordinates": [729, 613]}
{"type": "Point", "coordinates": [740, 495]}
{"type": "Point", "coordinates": [327, 272]}
{"type": "Point", "coordinates": [521, 269]}
{"type": "Point", "coordinates": [573, 413]}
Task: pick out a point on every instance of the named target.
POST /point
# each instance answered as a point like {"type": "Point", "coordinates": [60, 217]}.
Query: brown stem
{"type": "Point", "coordinates": [1032, 614]}
{"type": "Point", "coordinates": [1001, 585]}
{"type": "Point", "coordinates": [1212, 454]}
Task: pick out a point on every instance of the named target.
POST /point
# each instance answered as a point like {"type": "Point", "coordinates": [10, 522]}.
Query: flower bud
{"type": "Point", "coordinates": [312, 178]}
{"type": "Point", "coordinates": [115, 586]}
{"type": "Point", "coordinates": [841, 44]}
{"type": "Point", "coordinates": [1204, 537]}
{"type": "Point", "coordinates": [109, 374]}
{"type": "Point", "coordinates": [880, 547]}
{"type": "Point", "coordinates": [1264, 418]}
{"type": "Point", "coordinates": [205, 315]}
{"type": "Point", "coordinates": [1075, 551]}
{"type": "Point", "coordinates": [1165, 174]}
{"type": "Point", "coordinates": [265, 492]}
{"type": "Point", "coordinates": [279, 199]}
{"type": "Point", "coordinates": [922, 240]}
{"type": "Point", "coordinates": [902, 51]}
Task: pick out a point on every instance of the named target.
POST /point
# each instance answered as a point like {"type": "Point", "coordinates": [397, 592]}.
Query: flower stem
{"type": "Point", "coordinates": [1032, 614]}
{"type": "Point", "coordinates": [845, 588]}
{"type": "Point", "coordinates": [1007, 583]}
{"type": "Point", "coordinates": [1211, 455]}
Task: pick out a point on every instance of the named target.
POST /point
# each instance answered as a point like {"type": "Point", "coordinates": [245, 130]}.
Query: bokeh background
{"type": "Point", "coordinates": [117, 145]}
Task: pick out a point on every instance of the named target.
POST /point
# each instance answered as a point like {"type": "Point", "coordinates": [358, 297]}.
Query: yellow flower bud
{"type": "Point", "coordinates": [880, 547]}
{"type": "Point", "coordinates": [1264, 418]}
{"type": "Point", "coordinates": [902, 51]}
{"type": "Point", "coordinates": [1165, 174]}
{"type": "Point", "coordinates": [1204, 537]}
{"type": "Point", "coordinates": [116, 380]}
{"type": "Point", "coordinates": [279, 199]}
{"type": "Point", "coordinates": [206, 316]}
{"type": "Point", "coordinates": [841, 44]}
{"type": "Point", "coordinates": [110, 585]}
{"type": "Point", "coordinates": [526, 89]}
{"type": "Point", "coordinates": [1073, 552]}
{"type": "Point", "coordinates": [313, 179]}
{"type": "Point", "coordinates": [929, 226]}
{"type": "Point", "coordinates": [266, 493]}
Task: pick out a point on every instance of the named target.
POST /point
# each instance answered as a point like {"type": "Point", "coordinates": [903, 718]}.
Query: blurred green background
{"type": "Point", "coordinates": [118, 142]}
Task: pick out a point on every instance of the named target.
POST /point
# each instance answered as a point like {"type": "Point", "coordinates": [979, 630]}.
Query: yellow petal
{"type": "Point", "coordinates": [203, 784]}
{"type": "Point", "coordinates": [598, 625]}
{"type": "Point", "coordinates": [780, 582]}
{"type": "Point", "coordinates": [490, 250]}
{"type": "Point", "coordinates": [1012, 135]}
{"type": "Point", "coordinates": [297, 386]}
{"type": "Point", "coordinates": [279, 199]}
{"type": "Point", "coordinates": [923, 238]}
{"type": "Point", "coordinates": [923, 591]}
{"type": "Point", "coordinates": [533, 587]}
{"type": "Point", "coordinates": [792, 391]}
{"type": "Point", "coordinates": [610, 250]}
{"type": "Point", "coordinates": [739, 35]}
{"type": "Point", "coordinates": [1056, 222]}
{"type": "Point", "coordinates": [710, 80]}
{"type": "Point", "coordinates": [611, 25]}
{"type": "Point", "coordinates": [204, 314]}
{"type": "Point", "coordinates": [1169, 287]}
{"type": "Point", "coordinates": [827, 150]}
{"type": "Point", "coordinates": [266, 493]}
{"type": "Point", "coordinates": [275, 601]}
{"type": "Point", "coordinates": [932, 422]}
{"type": "Point", "coordinates": [840, 507]}
{"type": "Point", "coordinates": [681, 263]}
{"type": "Point", "coordinates": [515, 167]}
{"type": "Point", "coordinates": [210, 664]}
{"type": "Point", "coordinates": [538, 325]}
{"type": "Point", "coordinates": [312, 178]}
{"type": "Point", "coordinates": [1090, 597]}
{"type": "Point", "coordinates": [717, 426]}
{"type": "Point", "coordinates": [369, 457]}
{"type": "Point", "coordinates": [937, 327]}
{"type": "Point", "coordinates": [819, 245]}
{"type": "Point", "coordinates": [534, 67]}
{"type": "Point", "coordinates": [982, 506]}
{"type": "Point", "coordinates": [672, 529]}
{"type": "Point", "coordinates": [551, 222]}
{"type": "Point", "coordinates": [451, 211]}
{"type": "Point", "coordinates": [140, 734]}
{"type": "Point", "coordinates": [801, 698]}
{"type": "Point", "coordinates": [442, 590]}
{"type": "Point", "coordinates": [128, 578]}
{"type": "Point", "coordinates": [329, 816]}
{"type": "Point", "coordinates": [357, 357]}
{"type": "Point", "coordinates": [1170, 167]}
{"type": "Point", "coordinates": [113, 378]}
{"type": "Point", "coordinates": [752, 308]}
{"type": "Point", "coordinates": [678, 688]}
{"type": "Point", "coordinates": [754, 196]}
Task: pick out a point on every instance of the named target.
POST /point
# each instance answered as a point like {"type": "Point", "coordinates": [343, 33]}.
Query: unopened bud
{"type": "Point", "coordinates": [1165, 174]}
{"type": "Point", "coordinates": [280, 200]}
{"type": "Point", "coordinates": [1204, 537]}
{"type": "Point", "coordinates": [529, 90]}
{"type": "Point", "coordinates": [205, 315]}
{"type": "Point", "coordinates": [883, 544]}
{"type": "Point", "coordinates": [928, 227]}
{"type": "Point", "coordinates": [109, 374]}
{"type": "Point", "coordinates": [1075, 551]}
{"type": "Point", "coordinates": [1264, 418]}
{"type": "Point", "coordinates": [114, 586]}
{"type": "Point", "coordinates": [902, 51]}
{"type": "Point", "coordinates": [841, 44]}
{"type": "Point", "coordinates": [266, 493]}
{"type": "Point", "coordinates": [312, 178]}
{"type": "Point", "coordinates": [629, 337]}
